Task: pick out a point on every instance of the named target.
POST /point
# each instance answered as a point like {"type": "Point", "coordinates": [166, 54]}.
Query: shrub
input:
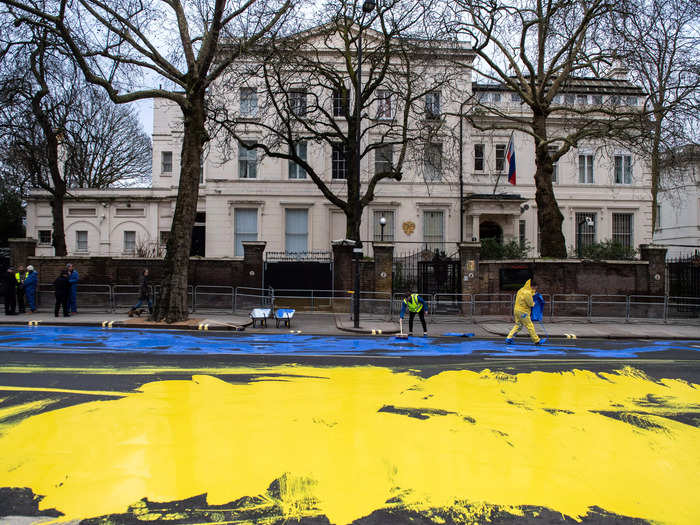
{"type": "Point", "coordinates": [607, 250]}
{"type": "Point", "coordinates": [492, 249]}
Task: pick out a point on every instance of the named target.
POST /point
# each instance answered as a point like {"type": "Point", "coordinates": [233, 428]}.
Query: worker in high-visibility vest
{"type": "Point", "coordinates": [20, 275]}
{"type": "Point", "coordinates": [415, 304]}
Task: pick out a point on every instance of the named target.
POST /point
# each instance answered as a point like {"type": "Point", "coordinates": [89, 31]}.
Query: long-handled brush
{"type": "Point", "coordinates": [401, 335]}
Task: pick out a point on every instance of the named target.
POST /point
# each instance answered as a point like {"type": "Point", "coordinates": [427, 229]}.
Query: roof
{"type": "Point", "coordinates": [582, 85]}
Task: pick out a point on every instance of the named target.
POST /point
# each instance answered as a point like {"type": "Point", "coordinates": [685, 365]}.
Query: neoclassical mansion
{"type": "Point", "coordinates": [602, 190]}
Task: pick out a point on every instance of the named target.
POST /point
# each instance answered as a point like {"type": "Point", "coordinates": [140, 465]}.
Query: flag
{"type": "Point", "coordinates": [510, 157]}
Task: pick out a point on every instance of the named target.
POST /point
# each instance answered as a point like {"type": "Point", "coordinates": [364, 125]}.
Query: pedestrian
{"type": "Point", "coordinates": [521, 312]}
{"type": "Point", "coordinates": [20, 276]}
{"type": "Point", "coordinates": [62, 290]}
{"type": "Point", "coordinates": [30, 284]}
{"type": "Point", "coordinates": [73, 278]}
{"type": "Point", "coordinates": [10, 289]}
{"type": "Point", "coordinates": [415, 305]}
{"type": "Point", "coordinates": [144, 294]}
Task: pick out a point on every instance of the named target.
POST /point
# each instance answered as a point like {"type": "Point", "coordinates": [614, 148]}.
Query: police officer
{"type": "Point", "coordinates": [30, 283]}
{"type": "Point", "coordinates": [10, 288]}
{"type": "Point", "coordinates": [20, 276]}
{"type": "Point", "coordinates": [415, 305]}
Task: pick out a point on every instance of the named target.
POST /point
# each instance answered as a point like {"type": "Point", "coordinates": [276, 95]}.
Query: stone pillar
{"type": "Point", "coordinates": [342, 266]}
{"type": "Point", "coordinates": [21, 250]}
{"type": "Point", "coordinates": [253, 263]}
{"type": "Point", "coordinates": [383, 266]}
{"type": "Point", "coordinates": [476, 219]}
{"type": "Point", "coordinates": [656, 255]}
{"type": "Point", "coordinates": [469, 260]}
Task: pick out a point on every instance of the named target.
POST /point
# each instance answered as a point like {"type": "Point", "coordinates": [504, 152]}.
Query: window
{"type": "Point", "coordinates": [585, 230]}
{"type": "Point", "coordinates": [297, 102]}
{"type": "Point", "coordinates": [521, 233]}
{"type": "Point", "coordinates": [384, 109]}
{"type": "Point", "coordinates": [433, 231]}
{"type": "Point", "coordinates": [658, 217]}
{"type": "Point", "coordinates": [597, 100]}
{"type": "Point", "coordinates": [432, 105]}
{"type": "Point", "coordinates": [295, 170]}
{"type": "Point", "coordinates": [569, 99]}
{"type": "Point", "coordinates": [582, 100]}
{"type": "Point", "coordinates": [249, 102]}
{"type": "Point", "coordinates": [166, 161]}
{"type": "Point", "coordinates": [515, 97]}
{"type": "Point", "coordinates": [623, 169]}
{"type": "Point", "coordinates": [555, 169]}
{"type": "Point", "coordinates": [245, 227]}
{"type": "Point", "coordinates": [388, 227]}
{"type": "Point", "coordinates": [340, 103]}
{"type": "Point", "coordinates": [500, 157]}
{"type": "Point", "coordinates": [631, 101]}
{"type": "Point", "coordinates": [81, 241]}
{"type": "Point", "coordinates": [478, 157]}
{"type": "Point", "coordinates": [615, 100]}
{"type": "Point", "coordinates": [496, 97]}
{"type": "Point", "coordinates": [339, 164]}
{"type": "Point", "coordinates": [622, 229]}
{"type": "Point", "coordinates": [129, 242]}
{"type": "Point", "coordinates": [432, 162]}
{"type": "Point", "coordinates": [585, 169]}
{"type": "Point", "coordinates": [163, 237]}
{"type": "Point", "coordinates": [296, 230]}
{"type": "Point", "coordinates": [247, 162]}
{"type": "Point", "coordinates": [384, 158]}
{"type": "Point", "coordinates": [481, 96]}
{"type": "Point", "coordinates": [44, 236]}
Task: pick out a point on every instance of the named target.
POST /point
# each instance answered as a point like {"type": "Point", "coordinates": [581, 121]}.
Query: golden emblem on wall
{"type": "Point", "coordinates": [409, 227]}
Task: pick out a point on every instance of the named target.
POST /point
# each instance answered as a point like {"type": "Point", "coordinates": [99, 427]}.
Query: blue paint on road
{"type": "Point", "coordinates": [86, 340]}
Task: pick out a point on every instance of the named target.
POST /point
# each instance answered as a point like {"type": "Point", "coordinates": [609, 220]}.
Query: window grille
{"type": "Point", "coordinates": [622, 224]}
{"type": "Point", "coordinates": [585, 230]}
{"type": "Point", "coordinates": [44, 236]}
{"type": "Point", "coordinates": [388, 227]}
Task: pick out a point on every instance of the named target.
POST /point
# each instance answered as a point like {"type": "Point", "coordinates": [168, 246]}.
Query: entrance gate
{"type": "Point", "coordinates": [427, 273]}
{"type": "Point", "coordinates": [298, 271]}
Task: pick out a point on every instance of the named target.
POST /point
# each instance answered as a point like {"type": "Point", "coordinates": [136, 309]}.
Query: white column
{"type": "Point", "coordinates": [475, 227]}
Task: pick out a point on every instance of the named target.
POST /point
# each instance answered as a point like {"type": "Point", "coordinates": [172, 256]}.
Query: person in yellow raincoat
{"type": "Point", "coordinates": [521, 312]}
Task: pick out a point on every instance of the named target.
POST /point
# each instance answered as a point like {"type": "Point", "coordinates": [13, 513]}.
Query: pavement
{"type": "Point", "coordinates": [338, 324]}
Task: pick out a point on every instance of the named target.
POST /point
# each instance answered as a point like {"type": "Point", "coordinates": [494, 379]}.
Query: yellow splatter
{"type": "Point", "coordinates": [349, 438]}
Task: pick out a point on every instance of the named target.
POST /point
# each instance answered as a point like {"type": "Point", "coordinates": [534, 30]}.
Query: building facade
{"type": "Point", "coordinates": [603, 191]}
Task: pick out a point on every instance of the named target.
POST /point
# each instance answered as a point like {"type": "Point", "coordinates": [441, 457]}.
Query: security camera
{"type": "Point", "coordinates": [589, 222]}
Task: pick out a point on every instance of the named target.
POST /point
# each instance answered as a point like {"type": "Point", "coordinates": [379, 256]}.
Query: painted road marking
{"type": "Point", "coordinates": [203, 326]}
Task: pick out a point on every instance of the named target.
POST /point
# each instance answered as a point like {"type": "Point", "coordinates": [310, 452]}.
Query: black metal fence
{"type": "Point", "coordinates": [684, 276]}
{"type": "Point", "coordinates": [426, 272]}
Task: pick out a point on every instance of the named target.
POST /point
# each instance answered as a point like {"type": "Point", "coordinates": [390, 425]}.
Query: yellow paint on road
{"type": "Point", "coordinates": [350, 438]}
{"type": "Point", "coordinates": [64, 391]}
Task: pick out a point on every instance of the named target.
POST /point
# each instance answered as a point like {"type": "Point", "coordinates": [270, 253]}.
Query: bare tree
{"type": "Point", "coordinates": [56, 131]}
{"type": "Point", "coordinates": [659, 41]}
{"type": "Point", "coordinates": [304, 98]}
{"type": "Point", "coordinates": [539, 50]}
{"type": "Point", "coordinates": [178, 43]}
{"type": "Point", "coordinates": [105, 145]}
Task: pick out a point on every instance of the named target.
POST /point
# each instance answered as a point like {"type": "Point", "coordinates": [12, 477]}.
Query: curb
{"type": "Point", "coordinates": [366, 331]}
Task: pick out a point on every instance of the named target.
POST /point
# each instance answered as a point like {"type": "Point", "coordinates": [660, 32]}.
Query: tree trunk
{"type": "Point", "coordinates": [353, 222]}
{"type": "Point", "coordinates": [171, 305]}
{"type": "Point", "coordinates": [655, 172]}
{"type": "Point", "coordinates": [59, 233]}
{"type": "Point", "coordinates": [549, 218]}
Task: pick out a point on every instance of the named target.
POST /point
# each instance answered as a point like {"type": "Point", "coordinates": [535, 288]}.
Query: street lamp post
{"type": "Point", "coordinates": [382, 223]}
{"type": "Point", "coordinates": [367, 7]}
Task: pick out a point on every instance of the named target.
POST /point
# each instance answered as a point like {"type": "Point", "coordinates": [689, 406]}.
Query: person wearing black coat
{"type": "Point", "coordinates": [144, 294]}
{"type": "Point", "coordinates": [62, 290]}
{"type": "Point", "coordinates": [10, 289]}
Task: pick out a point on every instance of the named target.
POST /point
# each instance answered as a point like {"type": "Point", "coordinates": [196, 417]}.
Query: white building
{"type": "Point", "coordinates": [246, 197]}
{"type": "Point", "coordinates": [678, 209]}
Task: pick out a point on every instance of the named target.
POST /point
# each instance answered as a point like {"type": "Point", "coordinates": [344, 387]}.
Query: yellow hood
{"type": "Point", "coordinates": [523, 300]}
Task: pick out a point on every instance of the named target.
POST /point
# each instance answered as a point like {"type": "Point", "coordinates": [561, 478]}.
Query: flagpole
{"type": "Point", "coordinates": [498, 177]}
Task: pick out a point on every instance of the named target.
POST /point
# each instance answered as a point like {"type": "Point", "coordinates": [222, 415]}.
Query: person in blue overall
{"type": "Point", "coordinates": [73, 278]}
{"type": "Point", "coordinates": [30, 284]}
{"type": "Point", "coordinates": [415, 305]}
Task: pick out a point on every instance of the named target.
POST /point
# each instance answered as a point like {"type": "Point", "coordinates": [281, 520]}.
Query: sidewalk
{"type": "Point", "coordinates": [342, 324]}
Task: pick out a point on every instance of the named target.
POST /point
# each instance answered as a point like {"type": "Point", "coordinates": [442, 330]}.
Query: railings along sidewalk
{"type": "Point", "coordinates": [247, 298]}
{"type": "Point", "coordinates": [90, 297]}
{"type": "Point", "coordinates": [608, 306]}
{"type": "Point", "coordinates": [215, 298]}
